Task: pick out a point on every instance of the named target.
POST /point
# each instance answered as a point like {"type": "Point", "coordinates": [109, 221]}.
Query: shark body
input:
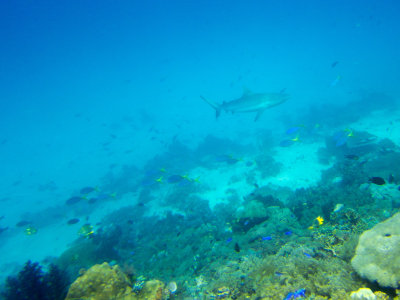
{"type": "Point", "coordinates": [249, 102]}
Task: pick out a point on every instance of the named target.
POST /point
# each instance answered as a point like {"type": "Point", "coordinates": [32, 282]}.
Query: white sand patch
{"type": "Point", "coordinates": [223, 182]}
{"type": "Point", "coordinates": [300, 167]}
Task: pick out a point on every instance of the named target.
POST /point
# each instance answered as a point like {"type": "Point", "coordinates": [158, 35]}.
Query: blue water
{"type": "Point", "coordinates": [90, 90]}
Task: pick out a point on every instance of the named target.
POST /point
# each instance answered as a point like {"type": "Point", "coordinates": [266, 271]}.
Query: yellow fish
{"type": "Point", "coordinates": [30, 230]}
{"type": "Point", "coordinates": [86, 231]}
{"type": "Point", "coordinates": [320, 220]}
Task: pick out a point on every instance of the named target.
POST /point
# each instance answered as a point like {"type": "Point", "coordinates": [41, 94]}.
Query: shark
{"type": "Point", "coordinates": [249, 102]}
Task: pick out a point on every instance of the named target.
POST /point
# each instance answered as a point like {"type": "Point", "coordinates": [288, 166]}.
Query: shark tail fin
{"type": "Point", "coordinates": [214, 105]}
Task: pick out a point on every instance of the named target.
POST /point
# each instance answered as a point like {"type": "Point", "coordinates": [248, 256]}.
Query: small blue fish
{"type": "Point", "coordinates": [296, 295]}
{"type": "Point", "coordinates": [175, 178]}
{"type": "Point", "coordinates": [228, 240]}
{"type": "Point", "coordinates": [286, 143]}
{"type": "Point", "coordinates": [226, 158]}
{"type": "Point", "coordinates": [307, 255]}
{"type": "Point", "coordinates": [266, 238]}
{"type": "Point", "coordinates": [340, 138]}
{"type": "Point", "coordinates": [292, 130]}
{"type": "Point", "coordinates": [246, 222]}
{"type": "Point", "coordinates": [87, 190]}
{"type": "Point", "coordinates": [288, 232]}
{"type": "Point", "coordinates": [104, 196]}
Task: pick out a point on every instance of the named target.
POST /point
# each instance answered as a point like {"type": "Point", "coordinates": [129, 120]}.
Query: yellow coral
{"type": "Point", "coordinates": [320, 220]}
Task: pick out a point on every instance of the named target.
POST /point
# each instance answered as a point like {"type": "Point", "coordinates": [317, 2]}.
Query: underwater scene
{"type": "Point", "coordinates": [199, 150]}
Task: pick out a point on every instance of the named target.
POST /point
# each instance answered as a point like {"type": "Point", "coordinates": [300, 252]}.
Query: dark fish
{"type": "Point", "coordinates": [23, 223]}
{"type": "Point", "coordinates": [237, 247]}
{"type": "Point", "coordinates": [92, 200]}
{"type": "Point", "coordinates": [73, 200]}
{"type": "Point", "coordinates": [391, 178]}
{"type": "Point", "coordinates": [50, 186]}
{"type": "Point", "coordinates": [2, 229]}
{"type": "Point", "coordinates": [73, 221]}
{"type": "Point", "coordinates": [230, 160]}
{"type": "Point", "coordinates": [334, 64]}
{"type": "Point", "coordinates": [87, 190]}
{"type": "Point", "coordinates": [352, 157]}
{"type": "Point", "coordinates": [377, 180]}
{"type": "Point", "coordinates": [16, 183]}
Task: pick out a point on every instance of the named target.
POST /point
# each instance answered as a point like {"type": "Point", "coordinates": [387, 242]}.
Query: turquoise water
{"type": "Point", "coordinates": [107, 95]}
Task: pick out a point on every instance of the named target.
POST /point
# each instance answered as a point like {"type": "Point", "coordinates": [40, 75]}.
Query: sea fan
{"type": "Point", "coordinates": [32, 283]}
{"type": "Point", "coordinates": [28, 285]}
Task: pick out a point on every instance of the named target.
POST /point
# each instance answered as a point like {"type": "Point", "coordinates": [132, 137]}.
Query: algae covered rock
{"type": "Point", "coordinates": [377, 255]}
{"type": "Point", "coordinates": [103, 282]}
{"type": "Point", "coordinates": [153, 290]}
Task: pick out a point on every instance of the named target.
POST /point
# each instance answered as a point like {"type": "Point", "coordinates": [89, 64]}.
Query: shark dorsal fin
{"type": "Point", "coordinates": [246, 92]}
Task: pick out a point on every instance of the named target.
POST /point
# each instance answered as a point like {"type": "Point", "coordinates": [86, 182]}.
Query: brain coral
{"type": "Point", "coordinates": [377, 255]}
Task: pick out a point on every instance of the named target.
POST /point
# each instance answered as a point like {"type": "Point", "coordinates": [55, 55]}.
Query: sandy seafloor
{"type": "Point", "coordinates": [300, 169]}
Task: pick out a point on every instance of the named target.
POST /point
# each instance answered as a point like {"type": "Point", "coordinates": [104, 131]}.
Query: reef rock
{"type": "Point", "coordinates": [363, 294]}
{"type": "Point", "coordinates": [377, 255]}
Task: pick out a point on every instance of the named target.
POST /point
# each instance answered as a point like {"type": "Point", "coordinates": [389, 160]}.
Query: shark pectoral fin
{"type": "Point", "coordinates": [214, 105]}
{"type": "Point", "coordinates": [259, 113]}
